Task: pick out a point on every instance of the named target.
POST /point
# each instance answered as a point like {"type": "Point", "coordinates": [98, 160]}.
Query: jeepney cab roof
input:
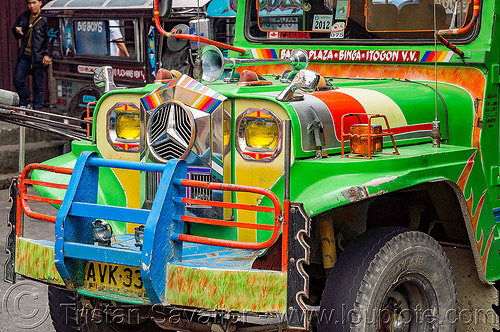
{"type": "Point", "coordinates": [117, 4]}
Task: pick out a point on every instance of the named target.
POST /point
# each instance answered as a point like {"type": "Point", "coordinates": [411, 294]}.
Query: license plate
{"type": "Point", "coordinates": [114, 278]}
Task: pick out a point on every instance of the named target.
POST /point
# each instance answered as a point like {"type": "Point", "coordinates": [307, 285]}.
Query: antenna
{"type": "Point", "coordinates": [436, 125]}
{"type": "Point", "coordinates": [197, 70]}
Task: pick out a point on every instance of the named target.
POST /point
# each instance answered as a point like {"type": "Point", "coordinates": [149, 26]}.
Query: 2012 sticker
{"type": "Point", "coordinates": [322, 22]}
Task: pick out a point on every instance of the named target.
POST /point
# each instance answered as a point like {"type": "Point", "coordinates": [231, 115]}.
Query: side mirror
{"type": "Point", "coordinates": [103, 78]}
{"type": "Point", "coordinates": [165, 8]}
{"type": "Point", "coordinates": [305, 80]}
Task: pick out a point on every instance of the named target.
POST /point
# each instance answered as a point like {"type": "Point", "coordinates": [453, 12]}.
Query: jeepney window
{"type": "Point", "coordinates": [337, 20]}
{"type": "Point", "coordinates": [109, 37]}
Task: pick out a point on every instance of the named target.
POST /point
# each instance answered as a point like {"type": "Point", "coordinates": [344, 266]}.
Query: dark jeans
{"type": "Point", "coordinates": [23, 68]}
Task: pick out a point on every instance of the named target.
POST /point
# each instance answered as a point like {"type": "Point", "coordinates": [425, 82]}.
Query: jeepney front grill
{"type": "Point", "coordinates": [153, 179]}
{"type": "Point", "coordinates": [170, 132]}
{"type": "Point", "coordinates": [200, 193]}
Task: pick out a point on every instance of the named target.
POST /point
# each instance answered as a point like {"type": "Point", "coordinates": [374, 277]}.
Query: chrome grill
{"type": "Point", "coordinates": [200, 193]}
{"type": "Point", "coordinates": [153, 179]}
{"type": "Point", "coordinates": [169, 133]}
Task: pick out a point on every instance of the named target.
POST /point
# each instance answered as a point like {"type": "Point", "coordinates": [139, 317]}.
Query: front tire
{"type": "Point", "coordinates": [68, 315]}
{"type": "Point", "coordinates": [64, 306]}
{"type": "Point", "coordinates": [390, 279]}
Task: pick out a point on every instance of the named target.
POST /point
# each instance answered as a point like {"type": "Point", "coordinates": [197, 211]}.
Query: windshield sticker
{"type": "Point", "coordinates": [281, 23]}
{"type": "Point", "coordinates": [322, 22]}
{"type": "Point", "coordinates": [294, 35]}
{"type": "Point", "coordinates": [338, 30]}
{"type": "Point", "coordinates": [273, 34]}
{"type": "Point", "coordinates": [342, 9]}
{"type": "Point", "coordinates": [281, 7]}
{"type": "Point", "coordinates": [137, 74]}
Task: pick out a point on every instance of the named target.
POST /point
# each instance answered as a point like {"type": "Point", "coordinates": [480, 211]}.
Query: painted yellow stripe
{"type": "Point", "coordinates": [442, 56]}
{"type": "Point", "coordinates": [439, 56]}
{"type": "Point", "coordinates": [378, 103]}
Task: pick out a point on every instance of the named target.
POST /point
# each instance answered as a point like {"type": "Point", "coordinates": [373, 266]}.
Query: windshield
{"type": "Point", "coordinates": [337, 20]}
{"type": "Point", "coordinates": [108, 37]}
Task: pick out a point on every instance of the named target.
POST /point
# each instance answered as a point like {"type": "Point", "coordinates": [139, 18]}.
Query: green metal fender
{"type": "Point", "coordinates": [327, 183]}
{"type": "Point", "coordinates": [110, 191]}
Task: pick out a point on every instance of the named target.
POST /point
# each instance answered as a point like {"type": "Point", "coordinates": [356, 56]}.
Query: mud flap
{"type": "Point", "coordinates": [496, 308]}
{"type": "Point", "coordinates": [297, 314]}
{"type": "Point", "coordinates": [10, 245]}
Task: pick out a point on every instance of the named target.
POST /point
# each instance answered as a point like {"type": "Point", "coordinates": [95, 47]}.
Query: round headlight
{"type": "Point", "coordinates": [102, 232]}
{"type": "Point", "coordinates": [124, 127]}
{"type": "Point", "coordinates": [128, 125]}
{"type": "Point", "coordinates": [259, 135]}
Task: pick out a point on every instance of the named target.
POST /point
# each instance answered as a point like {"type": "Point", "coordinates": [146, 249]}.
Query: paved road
{"type": "Point", "coordinates": [24, 305]}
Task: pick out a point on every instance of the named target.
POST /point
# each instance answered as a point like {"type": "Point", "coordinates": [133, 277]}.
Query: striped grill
{"type": "Point", "coordinates": [200, 193]}
{"type": "Point", "coordinates": [153, 179]}
{"type": "Point", "coordinates": [170, 132]}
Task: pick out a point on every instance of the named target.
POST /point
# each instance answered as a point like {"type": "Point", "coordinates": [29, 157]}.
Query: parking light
{"type": "Point", "coordinates": [102, 232]}
{"type": "Point", "coordinates": [139, 236]}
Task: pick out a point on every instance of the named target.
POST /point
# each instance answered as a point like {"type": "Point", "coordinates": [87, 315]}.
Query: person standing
{"type": "Point", "coordinates": [117, 46]}
{"type": "Point", "coordinates": [32, 55]}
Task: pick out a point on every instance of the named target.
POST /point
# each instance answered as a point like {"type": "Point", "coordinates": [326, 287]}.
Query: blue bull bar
{"type": "Point", "coordinates": [74, 239]}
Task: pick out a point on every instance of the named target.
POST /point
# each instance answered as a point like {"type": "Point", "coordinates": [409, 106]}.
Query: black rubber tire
{"type": "Point", "coordinates": [390, 276]}
{"type": "Point", "coordinates": [68, 316]}
{"type": "Point", "coordinates": [63, 305]}
{"type": "Point", "coordinates": [106, 323]}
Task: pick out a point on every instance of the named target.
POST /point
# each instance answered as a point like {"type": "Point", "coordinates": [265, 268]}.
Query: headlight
{"type": "Point", "coordinates": [128, 125]}
{"type": "Point", "coordinates": [139, 235]}
{"type": "Point", "coordinates": [102, 232]}
{"type": "Point", "coordinates": [259, 135]}
{"type": "Point", "coordinates": [124, 127]}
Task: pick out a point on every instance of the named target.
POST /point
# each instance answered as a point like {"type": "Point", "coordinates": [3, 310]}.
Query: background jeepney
{"type": "Point", "coordinates": [81, 41]}
{"type": "Point", "coordinates": [360, 194]}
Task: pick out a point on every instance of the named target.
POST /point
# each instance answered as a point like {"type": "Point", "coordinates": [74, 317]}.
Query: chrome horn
{"type": "Point", "coordinates": [213, 62]}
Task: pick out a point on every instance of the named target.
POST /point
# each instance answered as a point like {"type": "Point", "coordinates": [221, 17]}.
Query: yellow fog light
{"type": "Point", "coordinates": [226, 126]}
{"type": "Point", "coordinates": [124, 127]}
{"type": "Point", "coordinates": [128, 125]}
{"type": "Point", "coordinates": [262, 133]}
{"type": "Point", "coordinates": [259, 135]}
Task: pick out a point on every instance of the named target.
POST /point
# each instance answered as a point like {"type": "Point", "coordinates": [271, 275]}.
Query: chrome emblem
{"type": "Point", "coordinates": [170, 131]}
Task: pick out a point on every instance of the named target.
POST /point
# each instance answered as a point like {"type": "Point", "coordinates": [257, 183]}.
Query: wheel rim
{"type": "Point", "coordinates": [410, 305]}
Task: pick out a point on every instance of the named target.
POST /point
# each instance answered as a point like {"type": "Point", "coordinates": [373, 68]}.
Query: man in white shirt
{"type": "Point", "coordinates": [117, 45]}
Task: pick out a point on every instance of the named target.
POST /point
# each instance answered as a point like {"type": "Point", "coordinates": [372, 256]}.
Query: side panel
{"type": "Point", "coordinates": [255, 173]}
{"type": "Point", "coordinates": [129, 179]}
